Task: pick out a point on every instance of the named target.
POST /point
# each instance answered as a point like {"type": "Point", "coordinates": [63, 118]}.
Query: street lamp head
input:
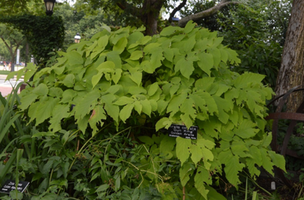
{"type": "Point", "coordinates": [49, 6]}
{"type": "Point", "coordinates": [77, 38]}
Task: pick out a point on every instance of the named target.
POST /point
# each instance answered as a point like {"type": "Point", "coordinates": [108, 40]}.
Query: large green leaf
{"type": "Point", "coordinates": [246, 129]}
{"type": "Point", "coordinates": [170, 30]}
{"type": "Point", "coordinates": [206, 62]}
{"type": "Point", "coordinates": [266, 161]}
{"type": "Point", "coordinates": [125, 112]}
{"type": "Point", "coordinates": [146, 107]}
{"type": "Point", "coordinates": [28, 100]}
{"type": "Point", "coordinates": [175, 103]}
{"type": "Point", "coordinates": [232, 167]}
{"type": "Point", "coordinates": [163, 123]}
{"type": "Point", "coordinates": [124, 101]}
{"type": "Point", "coordinates": [112, 111]}
{"type": "Point", "coordinates": [277, 159]}
{"type": "Point", "coordinates": [240, 149]}
{"type": "Point", "coordinates": [84, 106]}
{"type": "Point", "coordinates": [114, 57]}
{"type": "Point", "coordinates": [68, 95]}
{"type": "Point", "coordinates": [186, 119]}
{"type": "Point", "coordinates": [59, 112]}
{"type": "Point", "coordinates": [245, 79]}
{"type": "Point", "coordinates": [189, 27]}
{"type": "Point", "coordinates": [41, 90]}
{"type": "Point", "coordinates": [210, 102]}
{"type": "Point", "coordinates": [96, 78]}
{"type": "Point", "coordinates": [188, 44]}
{"type": "Point", "coordinates": [185, 172]}
{"type": "Point", "coordinates": [97, 115]}
{"type": "Point", "coordinates": [136, 76]}
{"type": "Point", "coordinates": [42, 109]}
{"type": "Point", "coordinates": [183, 149]}
{"type": "Point", "coordinates": [223, 106]}
{"type": "Point", "coordinates": [185, 67]}
{"type": "Point", "coordinates": [213, 194]}
{"type": "Point", "coordinates": [30, 71]}
{"type": "Point", "coordinates": [74, 58]}
{"type": "Point", "coordinates": [196, 154]}
{"type": "Point", "coordinates": [166, 146]}
{"type": "Point", "coordinates": [120, 45]}
{"type": "Point", "coordinates": [69, 80]}
{"type": "Point", "coordinates": [187, 107]}
{"type": "Point", "coordinates": [202, 177]}
{"type": "Point", "coordinates": [216, 54]}
{"type": "Point", "coordinates": [135, 55]}
{"type": "Point", "coordinates": [169, 54]}
{"type": "Point", "coordinates": [102, 43]}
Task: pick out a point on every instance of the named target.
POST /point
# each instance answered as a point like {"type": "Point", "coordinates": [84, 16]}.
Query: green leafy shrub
{"type": "Point", "coordinates": [123, 90]}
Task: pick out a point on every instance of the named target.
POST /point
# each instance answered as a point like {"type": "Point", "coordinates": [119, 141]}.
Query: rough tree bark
{"type": "Point", "coordinates": [291, 73]}
{"type": "Point", "coordinates": [150, 13]}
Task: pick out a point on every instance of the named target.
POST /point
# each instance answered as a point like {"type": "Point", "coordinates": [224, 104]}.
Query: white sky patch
{"type": "Point", "coordinates": [71, 2]}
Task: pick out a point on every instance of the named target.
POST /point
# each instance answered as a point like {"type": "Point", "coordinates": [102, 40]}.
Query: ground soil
{"type": "Point", "coordinates": [282, 191]}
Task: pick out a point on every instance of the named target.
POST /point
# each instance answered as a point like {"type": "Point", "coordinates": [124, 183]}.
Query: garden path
{"type": "Point", "coordinates": [6, 86]}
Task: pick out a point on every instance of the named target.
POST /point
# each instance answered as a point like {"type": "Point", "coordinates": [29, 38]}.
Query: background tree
{"type": "Point", "coordinates": [12, 40]}
{"type": "Point", "coordinates": [4, 53]}
{"type": "Point", "coordinates": [256, 32]}
{"type": "Point", "coordinates": [81, 18]}
{"type": "Point", "coordinates": [15, 10]}
{"type": "Point", "coordinates": [15, 7]}
{"type": "Point", "coordinates": [147, 12]}
{"type": "Point", "coordinates": [292, 67]}
{"type": "Point", "coordinates": [44, 34]}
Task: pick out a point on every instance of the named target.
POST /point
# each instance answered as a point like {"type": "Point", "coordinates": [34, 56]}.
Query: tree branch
{"type": "Point", "coordinates": [180, 6]}
{"type": "Point", "coordinates": [4, 41]}
{"type": "Point", "coordinates": [205, 13]}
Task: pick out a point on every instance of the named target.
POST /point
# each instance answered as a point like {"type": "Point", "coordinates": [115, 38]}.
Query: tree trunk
{"type": "Point", "coordinates": [150, 14]}
{"type": "Point", "coordinates": [291, 73]}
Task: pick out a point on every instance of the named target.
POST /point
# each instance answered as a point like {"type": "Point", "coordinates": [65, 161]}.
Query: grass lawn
{"type": "Point", "coordinates": [4, 72]}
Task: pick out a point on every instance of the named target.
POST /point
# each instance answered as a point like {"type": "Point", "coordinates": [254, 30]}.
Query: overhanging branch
{"type": "Point", "coordinates": [205, 13]}
{"type": "Point", "coordinates": [180, 6]}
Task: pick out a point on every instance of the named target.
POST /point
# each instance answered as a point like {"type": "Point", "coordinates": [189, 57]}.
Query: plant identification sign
{"type": "Point", "coordinates": [10, 185]}
{"type": "Point", "coordinates": [182, 131]}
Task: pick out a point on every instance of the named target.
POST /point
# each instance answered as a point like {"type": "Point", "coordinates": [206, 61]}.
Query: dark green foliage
{"type": "Point", "coordinates": [44, 34]}
{"type": "Point", "coordinates": [81, 19]}
{"type": "Point", "coordinates": [247, 31]}
{"type": "Point", "coordinates": [256, 30]}
{"type": "Point", "coordinates": [210, 22]}
{"type": "Point", "coordinates": [112, 11]}
{"type": "Point", "coordinates": [11, 7]}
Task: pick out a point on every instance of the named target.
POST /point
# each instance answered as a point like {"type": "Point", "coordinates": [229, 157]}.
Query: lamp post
{"type": "Point", "coordinates": [49, 5]}
{"type": "Point", "coordinates": [77, 38]}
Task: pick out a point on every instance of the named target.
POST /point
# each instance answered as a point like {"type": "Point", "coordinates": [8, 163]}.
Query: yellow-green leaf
{"type": "Point", "coordinates": [182, 149]}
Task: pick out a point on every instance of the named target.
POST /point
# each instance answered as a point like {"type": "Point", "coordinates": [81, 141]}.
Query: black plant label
{"type": "Point", "coordinates": [10, 185]}
{"type": "Point", "coordinates": [176, 130]}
